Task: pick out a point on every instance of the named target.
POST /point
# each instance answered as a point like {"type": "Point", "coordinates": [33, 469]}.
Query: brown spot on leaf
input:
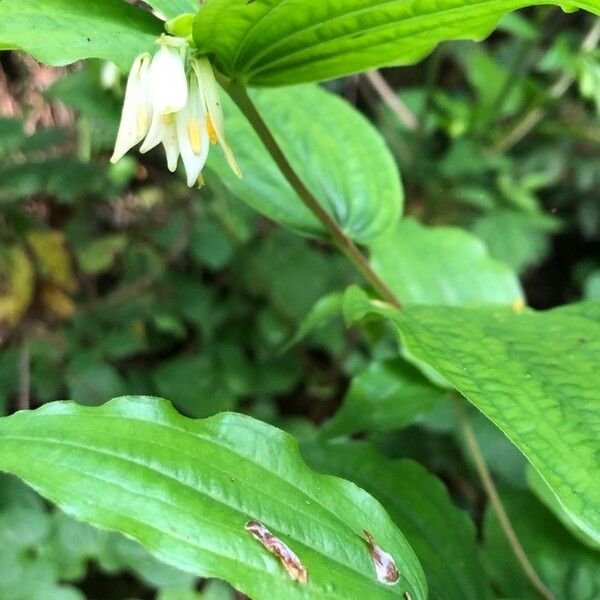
{"type": "Point", "coordinates": [385, 566]}
{"type": "Point", "coordinates": [296, 570]}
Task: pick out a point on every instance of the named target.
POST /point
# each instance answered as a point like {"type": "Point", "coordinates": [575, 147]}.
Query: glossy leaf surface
{"type": "Point", "coordinates": [533, 374]}
{"type": "Point", "coordinates": [59, 32]}
{"type": "Point", "coordinates": [185, 489]}
{"type": "Point", "coordinates": [279, 42]}
{"type": "Point", "coordinates": [333, 148]}
{"type": "Point", "coordinates": [441, 265]}
{"type": "Point", "coordinates": [442, 535]}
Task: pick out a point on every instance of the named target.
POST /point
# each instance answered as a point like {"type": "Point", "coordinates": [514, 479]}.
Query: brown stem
{"type": "Point", "coordinates": [343, 242]}
{"type": "Point", "coordinates": [391, 100]}
{"type": "Point", "coordinates": [498, 506]}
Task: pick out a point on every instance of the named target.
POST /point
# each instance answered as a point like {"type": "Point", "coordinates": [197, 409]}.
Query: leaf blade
{"type": "Point", "coordinates": [185, 489]}
{"type": "Point", "coordinates": [534, 375]}
{"type": "Point", "coordinates": [279, 42]}
{"type": "Point", "coordinates": [314, 128]}
{"type": "Point", "coordinates": [442, 535]}
{"type": "Point", "coordinates": [71, 31]}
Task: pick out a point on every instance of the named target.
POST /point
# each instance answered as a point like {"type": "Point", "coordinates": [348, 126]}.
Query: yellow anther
{"type": "Point", "coordinates": [212, 132]}
{"type": "Point", "coordinates": [194, 135]}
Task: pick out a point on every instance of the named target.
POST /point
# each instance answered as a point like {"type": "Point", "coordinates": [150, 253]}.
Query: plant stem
{"type": "Point", "coordinates": [494, 498]}
{"type": "Point", "coordinates": [560, 87]}
{"type": "Point", "coordinates": [391, 99]}
{"type": "Point", "coordinates": [343, 242]}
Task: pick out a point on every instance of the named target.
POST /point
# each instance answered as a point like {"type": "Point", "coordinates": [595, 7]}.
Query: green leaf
{"type": "Point", "coordinates": [316, 130]}
{"type": "Point", "coordinates": [59, 32]}
{"type": "Point", "coordinates": [387, 395]}
{"type": "Point", "coordinates": [534, 375]}
{"type": "Point", "coordinates": [185, 489]}
{"type": "Point", "coordinates": [518, 239]}
{"type": "Point", "coordinates": [442, 536]}
{"type": "Point", "coordinates": [324, 311]}
{"type": "Point", "coordinates": [91, 380]}
{"type": "Point", "coordinates": [540, 488]}
{"type": "Point", "coordinates": [196, 385]}
{"type": "Point", "coordinates": [174, 8]}
{"type": "Point", "coordinates": [441, 265]}
{"type": "Point", "coordinates": [569, 569]}
{"type": "Point", "coordinates": [278, 42]}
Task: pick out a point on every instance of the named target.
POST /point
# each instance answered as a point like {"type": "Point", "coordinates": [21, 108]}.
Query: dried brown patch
{"type": "Point", "coordinates": [385, 566]}
{"type": "Point", "coordinates": [296, 570]}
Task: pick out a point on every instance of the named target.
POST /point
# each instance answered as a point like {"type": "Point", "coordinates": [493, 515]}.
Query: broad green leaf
{"type": "Point", "coordinates": [540, 488]}
{"type": "Point", "coordinates": [324, 311]}
{"type": "Point", "coordinates": [174, 8]}
{"type": "Point", "coordinates": [518, 239]}
{"type": "Point", "coordinates": [278, 42]}
{"type": "Point", "coordinates": [59, 32]}
{"type": "Point", "coordinates": [441, 265]}
{"type": "Point", "coordinates": [338, 154]}
{"type": "Point", "coordinates": [387, 395]}
{"type": "Point", "coordinates": [442, 536]}
{"type": "Point", "coordinates": [569, 569]}
{"type": "Point", "coordinates": [535, 375]}
{"type": "Point", "coordinates": [185, 489]}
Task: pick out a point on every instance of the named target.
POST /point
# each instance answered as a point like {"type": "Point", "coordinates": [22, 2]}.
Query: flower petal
{"type": "Point", "coordinates": [192, 136]}
{"type": "Point", "coordinates": [135, 112]}
{"type": "Point", "coordinates": [168, 83]}
{"type": "Point", "coordinates": [209, 93]}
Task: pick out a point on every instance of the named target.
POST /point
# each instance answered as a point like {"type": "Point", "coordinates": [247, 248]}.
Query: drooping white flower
{"type": "Point", "coordinates": [136, 114]}
{"type": "Point", "coordinates": [181, 112]}
{"type": "Point", "coordinates": [168, 93]}
{"type": "Point", "coordinates": [209, 95]}
{"type": "Point", "coordinates": [192, 133]}
{"type": "Point", "coordinates": [167, 81]}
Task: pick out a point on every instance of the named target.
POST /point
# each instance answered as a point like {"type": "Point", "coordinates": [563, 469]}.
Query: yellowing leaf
{"type": "Point", "coordinates": [53, 259]}
{"type": "Point", "coordinates": [16, 285]}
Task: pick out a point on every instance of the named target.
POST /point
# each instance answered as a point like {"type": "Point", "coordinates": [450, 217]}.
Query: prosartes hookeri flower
{"type": "Point", "coordinates": [173, 99]}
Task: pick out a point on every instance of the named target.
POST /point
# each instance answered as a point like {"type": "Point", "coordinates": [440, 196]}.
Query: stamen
{"type": "Point", "coordinates": [194, 135]}
{"type": "Point", "coordinates": [212, 132]}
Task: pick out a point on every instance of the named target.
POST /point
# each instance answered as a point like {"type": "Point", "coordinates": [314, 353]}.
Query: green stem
{"type": "Point", "coordinates": [342, 241]}
{"type": "Point", "coordinates": [498, 506]}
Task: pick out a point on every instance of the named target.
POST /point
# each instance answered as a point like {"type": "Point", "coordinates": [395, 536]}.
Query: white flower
{"type": "Point", "coordinates": [168, 94]}
{"type": "Point", "coordinates": [135, 118]}
{"type": "Point", "coordinates": [163, 105]}
{"type": "Point", "coordinates": [209, 95]}
{"type": "Point", "coordinates": [192, 133]}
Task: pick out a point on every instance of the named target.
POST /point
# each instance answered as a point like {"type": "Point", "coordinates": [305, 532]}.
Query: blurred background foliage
{"type": "Point", "coordinates": [116, 279]}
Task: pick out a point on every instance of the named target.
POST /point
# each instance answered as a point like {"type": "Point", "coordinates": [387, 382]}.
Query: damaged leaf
{"type": "Point", "coordinates": [288, 558]}
{"type": "Point", "coordinates": [185, 488]}
{"type": "Point", "coordinates": [385, 566]}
